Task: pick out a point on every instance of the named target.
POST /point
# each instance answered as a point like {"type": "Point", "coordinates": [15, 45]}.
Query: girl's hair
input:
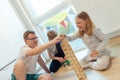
{"type": "Point", "coordinates": [51, 34]}
{"type": "Point", "coordinates": [90, 26]}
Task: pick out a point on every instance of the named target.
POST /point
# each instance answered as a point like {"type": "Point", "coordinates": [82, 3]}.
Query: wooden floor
{"type": "Point", "coordinates": [112, 73]}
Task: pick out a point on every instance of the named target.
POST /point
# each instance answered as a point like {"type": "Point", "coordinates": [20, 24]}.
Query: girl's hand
{"type": "Point", "coordinates": [94, 53]}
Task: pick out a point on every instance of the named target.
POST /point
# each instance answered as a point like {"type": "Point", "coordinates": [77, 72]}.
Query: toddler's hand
{"type": "Point", "coordinates": [60, 59]}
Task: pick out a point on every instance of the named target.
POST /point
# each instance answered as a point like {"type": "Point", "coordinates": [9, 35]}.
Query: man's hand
{"type": "Point", "coordinates": [62, 35]}
{"type": "Point", "coordinates": [56, 40]}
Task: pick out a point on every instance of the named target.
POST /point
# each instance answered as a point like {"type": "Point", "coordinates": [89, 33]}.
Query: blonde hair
{"type": "Point", "coordinates": [90, 26]}
{"type": "Point", "coordinates": [51, 34]}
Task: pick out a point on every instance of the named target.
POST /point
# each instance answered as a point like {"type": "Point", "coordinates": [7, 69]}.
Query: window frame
{"type": "Point", "coordinates": [50, 13]}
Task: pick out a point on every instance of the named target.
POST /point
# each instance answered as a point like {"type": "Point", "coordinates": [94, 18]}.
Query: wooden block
{"type": "Point", "coordinates": [74, 63]}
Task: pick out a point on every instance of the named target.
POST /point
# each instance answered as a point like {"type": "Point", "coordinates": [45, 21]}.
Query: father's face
{"type": "Point", "coordinates": [32, 40]}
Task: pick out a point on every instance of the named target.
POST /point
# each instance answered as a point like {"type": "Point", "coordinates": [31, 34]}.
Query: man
{"type": "Point", "coordinates": [24, 68]}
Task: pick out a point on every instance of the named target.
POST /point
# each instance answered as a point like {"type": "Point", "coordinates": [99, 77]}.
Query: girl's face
{"type": "Point", "coordinates": [81, 24]}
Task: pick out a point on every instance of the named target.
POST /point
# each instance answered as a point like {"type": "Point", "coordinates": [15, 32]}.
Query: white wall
{"type": "Point", "coordinates": [83, 5]}
{"type": "Point", "coordinates": [104, 13]}
{"type": "Point", "coordinates": [11, 31]}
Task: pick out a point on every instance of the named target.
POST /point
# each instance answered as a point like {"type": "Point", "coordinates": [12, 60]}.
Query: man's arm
{"type": "Point", "coordinates": [41, 48]}
{"type": "Point", "coordinates": [42, 64]}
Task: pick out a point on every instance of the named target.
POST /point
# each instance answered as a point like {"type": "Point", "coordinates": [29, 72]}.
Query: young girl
{"type": "Point", "coordinates": [99, 56]}
{"type": "Point", "coordinates": [55, 53]}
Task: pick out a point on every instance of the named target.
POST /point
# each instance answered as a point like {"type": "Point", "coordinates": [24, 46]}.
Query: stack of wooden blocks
{"type": "Point", "coordinates": [74, 63]}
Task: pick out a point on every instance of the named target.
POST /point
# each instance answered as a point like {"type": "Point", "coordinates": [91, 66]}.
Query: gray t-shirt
{"type": "Point", "coordinates": [52, 49]}
{"type": "Point", "coordinates": [97, 41]}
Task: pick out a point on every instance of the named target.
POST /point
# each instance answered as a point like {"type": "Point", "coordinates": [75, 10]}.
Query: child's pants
{"type": "Point", "coordinates": [55, 64]}
{"type": "Point", "coordinates": [98, 63]}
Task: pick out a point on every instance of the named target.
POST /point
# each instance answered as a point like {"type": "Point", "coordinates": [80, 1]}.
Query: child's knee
{"type": "Point", "coordinates": [53, 69]}
{"type": "Point", "coordinates": [100, 67]}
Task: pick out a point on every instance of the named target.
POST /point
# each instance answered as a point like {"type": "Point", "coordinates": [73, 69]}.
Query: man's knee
{"type": "Point", "coordinates": [45, 77]}
{"type": "Point", "coordinates": [19, 65]}
{"type": "Point", "coordinates": [19, 62]}
{"type": "Point", "coordinates": [19, 70]}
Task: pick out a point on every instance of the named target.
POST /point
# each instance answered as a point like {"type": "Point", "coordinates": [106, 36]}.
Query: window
{"type": "Point", "coordinates": [40, 7]}
{"type": "Point", "coordinates": [59, 16]}
{"type": "Point", "coordinates": [64, 23]}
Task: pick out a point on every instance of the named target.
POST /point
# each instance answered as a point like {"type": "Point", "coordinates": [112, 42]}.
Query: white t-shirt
{"type": "Point", "coordinates": [30, 61]}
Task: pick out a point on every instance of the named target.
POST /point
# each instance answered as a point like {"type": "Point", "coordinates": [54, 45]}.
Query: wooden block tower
{"type": "Point", "coordinates": [74, 63]}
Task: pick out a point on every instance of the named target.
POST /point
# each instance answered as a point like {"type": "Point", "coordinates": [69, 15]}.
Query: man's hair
{"type": "Point", "coordinates": [25, 35]}
{"type": "Point", "coordinates": [51, 34]}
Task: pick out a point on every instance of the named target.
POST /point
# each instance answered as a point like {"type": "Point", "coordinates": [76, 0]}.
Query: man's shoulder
{"type": "Point", "coordinates": [23, 51]}
{"type": "Point", "coordinates": [24, 47]}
